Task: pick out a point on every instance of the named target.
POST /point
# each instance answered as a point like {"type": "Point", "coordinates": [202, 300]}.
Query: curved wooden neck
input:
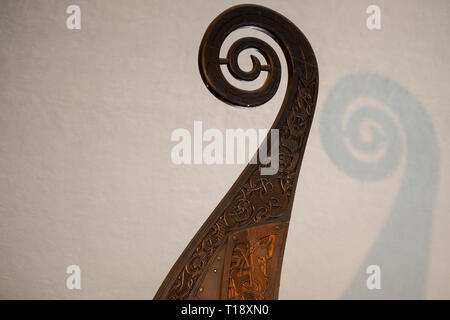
{"type": "Point", "coordinates": [238, 251]}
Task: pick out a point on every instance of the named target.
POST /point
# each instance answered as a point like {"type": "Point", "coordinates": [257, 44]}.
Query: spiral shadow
{"type": "Point", "coordinates": [402, 246]}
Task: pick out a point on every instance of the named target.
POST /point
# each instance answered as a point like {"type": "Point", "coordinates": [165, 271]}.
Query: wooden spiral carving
{"type": "Point", "coordinates": [238, 252]}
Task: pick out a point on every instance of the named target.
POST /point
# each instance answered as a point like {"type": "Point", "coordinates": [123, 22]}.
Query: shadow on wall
{"type": "Point", "coordinates": [402, 246]}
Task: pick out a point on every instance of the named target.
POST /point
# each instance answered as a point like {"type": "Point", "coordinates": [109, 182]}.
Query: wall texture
{"type": "Point", "coordinates": [86, 176]}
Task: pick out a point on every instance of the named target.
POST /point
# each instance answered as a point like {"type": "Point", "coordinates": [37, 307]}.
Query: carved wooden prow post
{"type": "Point", "coordinates": [238, 252]}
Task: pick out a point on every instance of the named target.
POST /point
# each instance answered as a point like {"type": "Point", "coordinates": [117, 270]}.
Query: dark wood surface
{"type": "Point", "coordinates": [238, 252]}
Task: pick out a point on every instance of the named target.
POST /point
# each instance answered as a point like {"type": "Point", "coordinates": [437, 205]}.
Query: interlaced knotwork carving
{"type": "Point", "coordinates": [254, 199]}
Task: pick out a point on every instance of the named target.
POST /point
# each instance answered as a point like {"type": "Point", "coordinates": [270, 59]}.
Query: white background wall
{"type": "Point", "coordinates": [85, 124]}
